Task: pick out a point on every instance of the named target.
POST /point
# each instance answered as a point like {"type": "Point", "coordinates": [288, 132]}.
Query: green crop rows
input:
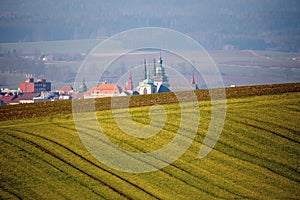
{"type": "Point", "coordinates": [257, 156]}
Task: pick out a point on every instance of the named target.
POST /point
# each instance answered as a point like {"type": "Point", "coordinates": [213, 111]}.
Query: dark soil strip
{"type": "Point", "coordinates": [65, 107]}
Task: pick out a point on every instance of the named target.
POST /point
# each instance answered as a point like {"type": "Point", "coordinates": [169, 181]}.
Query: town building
{"type": "Point", "coordinates": [30, 86]}
{"type": "Point", "coordinates": [159, 77]}
{"type": "Point", "coordinates": [7, 99]}
{"type": "Point", "coordinates": [193, 83]}
{"type": "Point", "coordinates": [66, 90]}
{"type": "Point", "coordinates": [103, 90]}
{"type": "Point", "coordinates": [129, 83]}
{"type": "Point", "coordinates": [22, 98]}
{"type": "Point", "coordinates": [28, 98]}
{"type": "Point", "coordinates": [82, 87]}
{"type": "Point", "coordinates": [146, 86]}
{"type": "Point", "coordinates": [158, 83]}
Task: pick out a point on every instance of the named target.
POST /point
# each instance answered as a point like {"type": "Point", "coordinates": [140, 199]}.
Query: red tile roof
{"type": "Point", "coordinates": [28, 96]}
{"type": "Point", "coordinates": [91, 90]}
{"type": "Point", "coordinates": [105, 89]}
{"type": "Point", "coordinates": [15, 100]}
{"type": "Point", "coordinates": [8, 99]}
{"type": "Point", "coordinates": [105, 86]}
{"type": "Point", "coordinates": [66, 89]}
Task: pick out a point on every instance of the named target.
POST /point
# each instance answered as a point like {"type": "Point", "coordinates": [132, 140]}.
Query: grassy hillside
{"type": "Point", "coordinates": [257, 155]}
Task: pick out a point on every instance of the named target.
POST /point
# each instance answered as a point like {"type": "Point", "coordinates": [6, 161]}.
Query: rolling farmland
{"type": "Point", "coordinates": [257, 155]}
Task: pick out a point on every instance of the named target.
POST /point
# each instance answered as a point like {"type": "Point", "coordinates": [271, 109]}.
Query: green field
{"type": "Point", "coordinates": [256, 157]}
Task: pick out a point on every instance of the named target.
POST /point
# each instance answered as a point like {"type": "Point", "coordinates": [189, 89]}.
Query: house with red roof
{"type": "Point", "coordinates": [27, 98]}
{"type": "Point", "coordinates": [66, 90]}
{"type": "Point", "coordinates": [103, 90]}
{"type": "Point", "coordinates": [7, 99]}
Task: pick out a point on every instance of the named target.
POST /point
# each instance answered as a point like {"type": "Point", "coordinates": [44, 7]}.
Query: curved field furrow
{"type": "Point", "coordinates": [270, 131]}
{"type": "Point", "coordinates": [264, 162]}
{"type": "Point", "coordinates": [40, 158]}
{"type": "Point", "coordinates": [137, 147]}
{"type": "Point", "coordinates": [194, 176]}
{"type": "Point", "coordinates": [86, 160]}
{"type": "Point", "coordinates": [184, 180]}
{"type": "Point", "coordinates": [70, 164]}
{"type": "Point", "coordinates": [198, 187]}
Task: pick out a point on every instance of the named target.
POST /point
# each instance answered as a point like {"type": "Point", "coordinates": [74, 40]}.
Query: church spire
{"type": "Point", "coordinates": [129, 84]}
{"type": "Point", "coordinates": [193, 79]}
{"type": "Point", "coordinates": [193, 83]}
{"type": "Point", "coordinates": [145, 69]}
{"type": "Point", "coordinates": [83, 87]}
{"type": "Point", "coordinates": [154, 66]}
{"type": "Point", "coordinates": [160, 59]}
{"type": "Point", "coordinates": [148, 74]}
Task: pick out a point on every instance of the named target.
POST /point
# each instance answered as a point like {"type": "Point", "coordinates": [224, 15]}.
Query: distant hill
{"type": "Point", "coordinates": [216, 24]}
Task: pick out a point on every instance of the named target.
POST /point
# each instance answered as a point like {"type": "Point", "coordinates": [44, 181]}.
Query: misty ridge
{"type": "Point", "coordinates": [216, 24]}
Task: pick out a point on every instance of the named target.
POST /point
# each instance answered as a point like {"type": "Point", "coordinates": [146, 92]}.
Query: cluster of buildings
{"type": "Point", "coordinates": [158, 83]}
{"type": "Point", "coordinates": [32, 91]}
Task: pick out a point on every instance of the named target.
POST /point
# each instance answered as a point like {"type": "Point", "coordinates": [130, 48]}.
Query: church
{"type": "Point", "coordinates": [159, 81]}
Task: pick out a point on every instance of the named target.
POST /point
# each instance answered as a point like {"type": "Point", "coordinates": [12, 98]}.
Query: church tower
{"type": "Point", "coordinates": [193, 83]}
{"type": "Point", "coordinates": [147, 85]}
{"type": "Point", "coordinates": [129, 83]}
{"type": "Point", "coordinates": [82, 87]}
{"type": "Point", "coordinates": [160, 78]}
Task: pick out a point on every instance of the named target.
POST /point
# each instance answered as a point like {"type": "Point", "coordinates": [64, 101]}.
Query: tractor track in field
{"type": "Point", "coordinates": [276, 125]}
{"type": "Point", "coordinates": [257, 156]}
{"type": "Point", "coordinates": [258, 164]}
{"type": "Point", "coordinates": [40, 147]}
{"type": "Point", "coordinates": [10, 192]}
{"type": "Point", "coordinates": [166, 172]}
{"type": "Point", "coordinates": [267, 130]}
{"type": "Point", "coordinates": [49, 163]}
{"type": "Point", "coordinates": [83, 158]}
{"type": "Point", "coordinates": [183, 170]}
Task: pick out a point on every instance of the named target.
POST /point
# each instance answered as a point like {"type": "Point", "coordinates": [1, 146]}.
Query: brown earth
{"type": "Point", "coordinates": [20, 111]}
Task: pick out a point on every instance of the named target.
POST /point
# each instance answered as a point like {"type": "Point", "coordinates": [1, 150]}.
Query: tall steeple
{"type": "Point", "coordinates": [129, 84]}
{"type": "Point", "coordinates": [146, 86]}
{"type": "Point", "coordinates": [148, 74]}
{"type": "Point", "coordinates": [193, 79]}
{"type": "Point", "coordinates": [160, 70]}
{"type": "Point", "coordinates": [160, 77]}
{"type": "Point", "coordinates": [154, 66]}
{"type": "Point", "coordinates": [145, 69]}
{"type": "Point", "coordinates": [83, 87]}
{"type": "Point", "coordinates": [160, 59]}
{"type": "Point", "coordinates": [193, 83]}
